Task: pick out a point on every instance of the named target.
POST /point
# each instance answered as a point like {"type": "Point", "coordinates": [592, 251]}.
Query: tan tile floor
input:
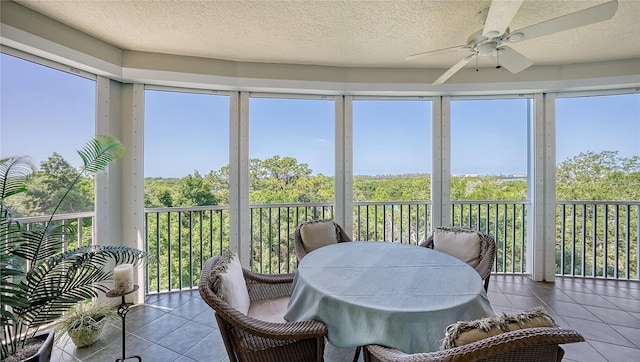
{"type": "Point", "coordinates": [180, 326]}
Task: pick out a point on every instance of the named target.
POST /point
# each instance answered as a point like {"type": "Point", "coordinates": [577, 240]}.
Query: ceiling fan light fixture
{"type": "Point", "coordinates": [515, 37]}
{"type": "Point", "coordinates": [488, 49]}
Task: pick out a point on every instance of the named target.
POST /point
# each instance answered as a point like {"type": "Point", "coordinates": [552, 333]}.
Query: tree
{"type": "Point", "coordinates": [47, 187]}
{"type": "Point", "coordinates": [219, 181]}
{"type": "Point", "coordinates": [194, 190]}
{"type": "Point", "coordinates": [599, 176]}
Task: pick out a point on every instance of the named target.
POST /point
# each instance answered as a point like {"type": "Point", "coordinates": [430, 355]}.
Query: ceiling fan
{"type": "Point", "coordinates": [492, 40]}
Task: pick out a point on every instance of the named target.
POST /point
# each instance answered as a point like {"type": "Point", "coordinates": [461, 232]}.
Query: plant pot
{"type": "Point", "coordinates": [44, 352]}
{"type": "Point", "coordinates": [86, 335]}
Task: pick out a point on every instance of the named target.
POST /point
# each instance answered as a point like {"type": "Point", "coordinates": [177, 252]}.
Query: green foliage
{"type": "Point", "coordinates": [597, 238]}
{"type": "Point", "coordinates": [47, 188]}
{"type": "Point", "coordinates": [392, 187]}
{"type": "Point", "coordinates": [488, 188]}
{"type": "Point", "coordinates": [402, 213]}
{"type": "Point", "coordinates": [599, 176]}
{"type": "Point", "coordinates": [193, 191]}
{"type": "Point", "coordinates": [40, 280]}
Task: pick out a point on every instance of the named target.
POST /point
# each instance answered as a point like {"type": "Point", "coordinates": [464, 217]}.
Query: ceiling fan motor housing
{"type": "Point", "coordinates": [484, 46]}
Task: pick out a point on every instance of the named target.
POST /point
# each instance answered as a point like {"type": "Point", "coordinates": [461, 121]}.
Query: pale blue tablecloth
{"type": "Point", "coordinates": [396, 295]}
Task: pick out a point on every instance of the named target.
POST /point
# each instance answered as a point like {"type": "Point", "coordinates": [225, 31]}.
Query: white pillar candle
{"type": "Point", "coordinates": [123, 278]}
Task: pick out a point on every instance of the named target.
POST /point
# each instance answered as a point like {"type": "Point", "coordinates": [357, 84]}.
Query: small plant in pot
{"type": "Point", "coordinates": [39, 279]}
{"type": "Point", "coordinates": [85, 323]}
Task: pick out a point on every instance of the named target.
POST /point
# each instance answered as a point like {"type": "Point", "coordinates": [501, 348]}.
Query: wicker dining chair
{"type": "Point", "coordinates": [522, 345]}
{"type": "Point", "coordinates": [250, 339]}
{"type": "Point", "coordinates": [312, 234]}
{"type": "Point", "coordinates": [487, 249]}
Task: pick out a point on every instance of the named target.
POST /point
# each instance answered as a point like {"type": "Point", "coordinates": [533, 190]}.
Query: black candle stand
{"type": "Point", "coordinates": [123, 309]}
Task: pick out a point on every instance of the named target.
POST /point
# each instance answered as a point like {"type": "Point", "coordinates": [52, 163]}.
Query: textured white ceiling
{"type": "Point", "coordinates": [339, 33]}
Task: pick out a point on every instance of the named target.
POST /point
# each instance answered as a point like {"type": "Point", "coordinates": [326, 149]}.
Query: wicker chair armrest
{"type": "Point", "coordinates": [298, 246]}
{"type": "Point", "coordinates": [291, 330]}
{"type": "Point", "coordinates": [428, 243]}
{"type": "Point", "coordinates": [488, 256]}
{"type": "Point", "coordinates": [267, 286]}
{"type": "Point", "coordinates": [343, 234]}
{"type": "Point", "coordinates": [250, 276]}
{"type": "Point", "coordinates": [483, 349]}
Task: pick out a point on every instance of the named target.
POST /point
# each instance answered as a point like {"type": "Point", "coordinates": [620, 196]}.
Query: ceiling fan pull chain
{"type": "Point", "coordinates": [498, 66]}
{"type": "Point", "coordinates": [477, 67]}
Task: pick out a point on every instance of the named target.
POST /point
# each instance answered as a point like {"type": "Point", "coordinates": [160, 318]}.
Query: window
{"type": "Point", "coordinates": [186, 158]}
{"type": "Point", "coordinates": [489, 149]}
{"type": "Point", "coordinates": [291, 174]}
{"type": "Point", "coordinates": [47, 114]}
{"type": "Point", "coordinates": [597, 185]}
{"type": "Point", "coordinates": [597, 147]}
{"type": "Point", "coordinates": [392, 169]}
{"type": "Point", "coordinates": [292, 150]}
{"type": "Point", "coordinates": [489, 173]}
{"type": "Point", "coordinates": [186, 149]}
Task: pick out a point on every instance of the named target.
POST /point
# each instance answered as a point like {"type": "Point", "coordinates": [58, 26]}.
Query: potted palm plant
{"type": "Point", "coordinates": [39, 280]}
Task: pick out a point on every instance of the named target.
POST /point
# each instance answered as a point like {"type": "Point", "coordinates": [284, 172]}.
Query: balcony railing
{"type": "Point", "coordinates": [593, 238]}
{"type": "Point", "coordinates": [179, 240]}
{"type": "Point", "coordinates": [598, 239]}
{"type": "Point", "coordinates": [81, 223]}
{"type": "Point", "coordinates": [272, 233]}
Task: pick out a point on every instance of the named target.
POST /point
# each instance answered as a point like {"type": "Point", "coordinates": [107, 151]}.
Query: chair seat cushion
{"type": "Point", "coordinates": [269, 310]}
{"type": "Point", "coordinates": [461, 333]}
{"type": "Point", "coordinates": [317, 234]}
{"type": "Point", "coordinates": [229, 284]}
{"type": "Point", "coordinates": [461, 243]}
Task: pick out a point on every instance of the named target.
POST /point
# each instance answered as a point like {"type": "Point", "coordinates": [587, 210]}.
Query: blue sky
{"type": "Point", "coordinates": [189, 132]}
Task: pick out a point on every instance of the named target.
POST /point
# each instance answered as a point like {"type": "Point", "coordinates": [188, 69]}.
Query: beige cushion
{"type": "Point", "coordinates": [318, 234]}
{"type": "Point", "coordinates": [269, 310]}
{"type": "Point", "coordinates": [463, 244]}
{"type": "Point", "coordinates": [229, 284]}
{"type": "Point", "coordinates": [461, 333]}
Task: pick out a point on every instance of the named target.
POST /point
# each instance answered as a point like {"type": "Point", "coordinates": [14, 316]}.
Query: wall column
{"type": "Point", "coordinates": [132, 178]}
{"type": "Point", "coordinates": [541, 189]}
{"type": "Point", "coordinates": [344, 163]}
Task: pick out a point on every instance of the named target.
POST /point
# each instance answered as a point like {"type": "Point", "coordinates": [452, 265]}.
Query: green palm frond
{"type": "Point", "coordinates": [14, 174]}
{"type": "Point", "coordinates": [100, 152]}
{"type": "Point", "coordinates": [59, 282]}
{"type": "Point", "coordinates": [38, 244]}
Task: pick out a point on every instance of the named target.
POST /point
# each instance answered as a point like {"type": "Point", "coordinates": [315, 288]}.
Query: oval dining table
{"type": "Point", "coordinates": [396, 295]}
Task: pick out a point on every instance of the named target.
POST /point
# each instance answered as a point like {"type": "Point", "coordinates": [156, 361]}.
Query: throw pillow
{"type": "Point", "coordinates": [461, 333]}
{"type": "Point", "coordinates": [316, 234]}
{"type": "Point", "coordinates": [464, 244]}
{"type": "Point", "coordinates": [228, 282]}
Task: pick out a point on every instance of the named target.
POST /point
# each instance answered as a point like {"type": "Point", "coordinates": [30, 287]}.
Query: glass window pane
{"type": "Point", "coordinates": [48, 115]}
{"type": "Point", "coordinates": [186, 149]}
{"type": "Point", "coordinates": [598, 148]}
{"type": "Point", "coordinates": [292, 150]}
{"type": "Point", "coordinates": [489, 149]}
{"type": "Point", "coordinates": [392, 145]}
{"type": "Point", "coordinates": [292, 163]}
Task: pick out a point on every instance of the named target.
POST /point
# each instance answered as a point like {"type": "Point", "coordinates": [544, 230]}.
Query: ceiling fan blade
{"type": "Point", "coordinates": [512, 60]}
{"type": "Point", "coordinates": [451, 71]}
{"type": "Point", "coordinates": [500, 15]}
{"type": "Point", "coordinates": [574, 20]}
{"type": "Point", "coordinates": [439, 51]}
